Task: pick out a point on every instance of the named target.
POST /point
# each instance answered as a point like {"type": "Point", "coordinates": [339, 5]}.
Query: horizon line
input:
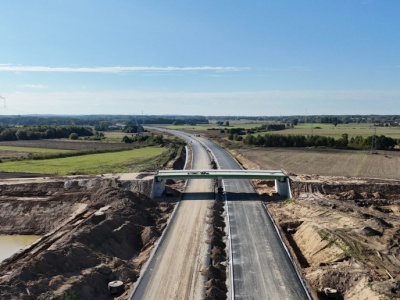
{"type": "Point", "coordinates": [116, 69]}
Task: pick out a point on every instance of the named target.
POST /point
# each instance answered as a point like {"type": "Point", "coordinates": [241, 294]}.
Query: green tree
{"type": "Point", "coordinates": [73, 136]}
{"type": "Point", "coordinates": [131, 128]}
{"type": "Point", "coordinates": [21, 134]}
{"type": "Point", "coordinates": [249, 139]}
{"type": "Point", "coordinates": [102, 126]}
{"type": "Point", "coordinates": [7, 135]}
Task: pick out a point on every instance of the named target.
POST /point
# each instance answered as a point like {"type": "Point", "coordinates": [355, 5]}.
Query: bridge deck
{"type": "Point", "coordinates": [220, 174]}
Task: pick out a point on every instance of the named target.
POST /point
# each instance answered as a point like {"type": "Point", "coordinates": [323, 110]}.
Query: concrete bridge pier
{"type": "Point", "coordinates": [220, 183]}
{"type": "Point", "coordinates": [158, 188]}
{"type": "Point", "coordinates": [282, 187]}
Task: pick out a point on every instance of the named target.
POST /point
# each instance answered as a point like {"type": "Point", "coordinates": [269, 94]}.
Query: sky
{"type": "Point", "coordinates": [200, 57]}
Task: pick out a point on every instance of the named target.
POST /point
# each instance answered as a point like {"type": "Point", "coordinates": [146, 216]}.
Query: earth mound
{"type": "Point", "coordinates": [82, 256]}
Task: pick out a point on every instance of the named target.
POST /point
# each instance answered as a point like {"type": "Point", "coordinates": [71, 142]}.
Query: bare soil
{"type": "Point", "coordinates": [343, 231]}
{"type": "Point", "coordinates": [95, 229]}
{"type": "Point", "coordinates": [91, 237]}
{"type": "Point", "coordinates": [324, 161]}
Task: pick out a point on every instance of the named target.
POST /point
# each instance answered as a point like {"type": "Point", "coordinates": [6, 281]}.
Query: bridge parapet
{"type": "Point", "coordinates": [224, 174]}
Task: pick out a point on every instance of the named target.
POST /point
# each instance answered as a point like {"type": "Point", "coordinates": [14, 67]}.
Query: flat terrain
{"type": "Point", "coordinates": [114, 162]}
{"type": "Point", "coordinates": [65, 144]}
{"type": "Point", "coordinates": [336, 132]}
{"type": "Point", "coordinates": [329, 130]}
{"type": "Point", "coordinates": [11, 150]}
{"type": "Point", "coordinates": [328, 162]}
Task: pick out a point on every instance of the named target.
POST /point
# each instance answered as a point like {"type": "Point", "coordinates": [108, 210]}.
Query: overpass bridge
{"type": "Point", "coordinates": [282, 186]}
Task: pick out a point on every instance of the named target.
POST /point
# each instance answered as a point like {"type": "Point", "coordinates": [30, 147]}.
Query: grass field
{"type": "Point", "coordinates": [329, 130]}
{"type": "Point", "coordinates": [329, 162]}
{"type": "Point", "coordinates": [364, 130]}
{"type": "Point", "coordinates": [336, 132]}
{"type": "Point", "coordinates": [31, 150]}
{"type": "Point", "coordinates": [116, 162]}
{"type": "Point", "coordinates": [201, 127]}
{"type": "Point", "coordinates": [189, 127]}
{"type": "Point", "coordinates": [115, 136]}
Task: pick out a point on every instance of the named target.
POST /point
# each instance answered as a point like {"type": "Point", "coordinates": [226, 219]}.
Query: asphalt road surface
{"type": "Point", "coordinates": [261, 266]}
{"type": "Point", "coordinates": [174, 271]}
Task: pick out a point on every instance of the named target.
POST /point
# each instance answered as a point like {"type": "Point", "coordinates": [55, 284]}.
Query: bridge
{"type": "Point", "coordinates": [282, 186]}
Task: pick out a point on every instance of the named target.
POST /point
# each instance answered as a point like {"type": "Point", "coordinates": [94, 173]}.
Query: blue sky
{"type": "Point", "coordinates": [283, 57]}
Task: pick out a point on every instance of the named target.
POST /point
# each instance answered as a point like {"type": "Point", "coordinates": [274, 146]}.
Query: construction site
{"type": "Point", "coordinates": [342, 232]}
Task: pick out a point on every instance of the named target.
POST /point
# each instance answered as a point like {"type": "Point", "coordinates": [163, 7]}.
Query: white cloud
{"type": "Point", "coordinates": [35, 86]}
{"type": "Point", "coordinates": [113, 69]}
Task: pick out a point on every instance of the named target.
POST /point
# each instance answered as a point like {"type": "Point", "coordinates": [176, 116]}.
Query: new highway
{"type": "Point", "coordinates": [261, 267]}
{"type": "Point", "coordinates": [174, 271]}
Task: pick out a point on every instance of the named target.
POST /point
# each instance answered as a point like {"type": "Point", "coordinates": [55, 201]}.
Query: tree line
{"type": "Point", "coordinates": [151, 139]}
{"type": "Point", "coordinates": [95, 120]}
{"type": "Point", "coordinates": [275, 140]}
{"type": "Point", "coordinates": [42, 132]}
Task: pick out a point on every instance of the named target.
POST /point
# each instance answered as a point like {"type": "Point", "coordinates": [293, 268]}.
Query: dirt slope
{"type": "Point", "coordinates": [343, 231]}
{"type": "Point", "coordinates": [345, 239]}
{"type": "Point", "coordinates": [107, 239]}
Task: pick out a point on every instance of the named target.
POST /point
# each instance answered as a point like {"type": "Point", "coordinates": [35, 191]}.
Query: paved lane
{"type": "Point", "coordinates": [174, 271]}
{"type": "Point", "coordinates": [261, 266]}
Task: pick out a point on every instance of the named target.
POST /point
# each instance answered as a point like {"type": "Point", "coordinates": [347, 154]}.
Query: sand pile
{"type": "Point", "coordinates": [95, 247]}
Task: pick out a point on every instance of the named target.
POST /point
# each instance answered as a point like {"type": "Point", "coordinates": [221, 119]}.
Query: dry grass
{"type": "Point", "coordinates": [352, 130]}
{"type": "Point", "coordinates": [327, 162]}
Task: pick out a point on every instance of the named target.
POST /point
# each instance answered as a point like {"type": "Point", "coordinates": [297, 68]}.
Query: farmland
{"type": "Point", "coordinates": [32, 150]}
{"type": "Point", "coordinates": [336, 132]}
{"type": "Point", "coordinates": [327, 162]}
{"type": "Point", "coordinates": [115, 162]}
{"type": "Point", "coordinates": [12, 150]}
{"type": "Point", "coordinates": [328, 130]}
{"type": "Point", "coordinates": [66, 157]}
